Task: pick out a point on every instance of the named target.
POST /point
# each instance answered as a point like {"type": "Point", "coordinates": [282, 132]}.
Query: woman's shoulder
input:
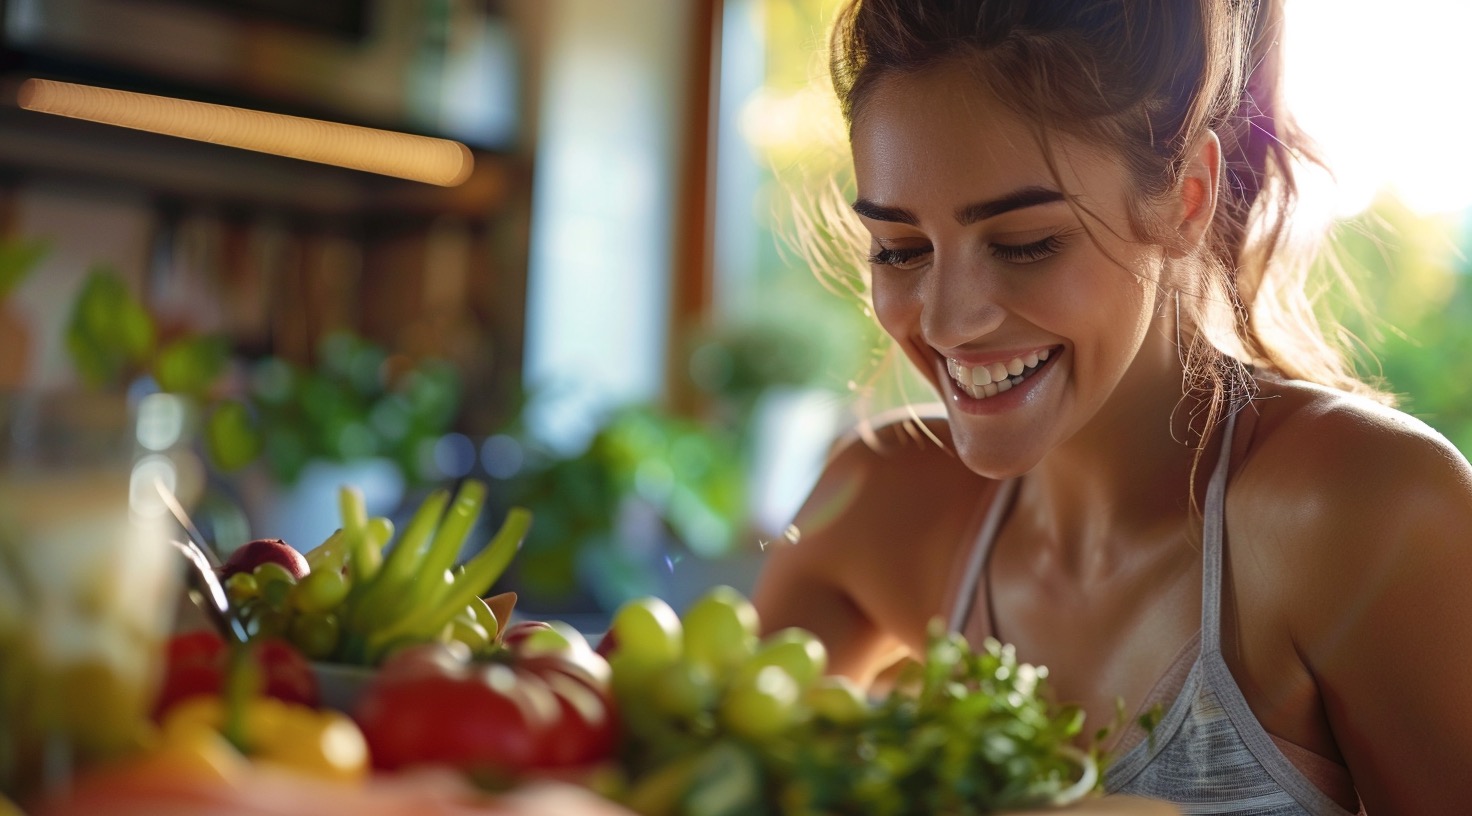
{"type": "Point", "coordinates": [895, 477]}
{"type": "Point", "coordinates": [1311, 441]}
{"type": "Point", "coordinates": [907, 448]}
{"type": "Point", "coordinates": [1337, 482]}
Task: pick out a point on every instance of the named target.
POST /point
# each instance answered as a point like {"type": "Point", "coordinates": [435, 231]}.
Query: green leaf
{"type": "Point", "coordinates": [287, 452]}
{"type": "Point", "coordinates": [191, 365]}
{"type": "Point", "coordinates": [110, 334]}
{"type": "Point", "coordinates": [17, 260]}
{"type": "Point", "coordinates": [231, 437]}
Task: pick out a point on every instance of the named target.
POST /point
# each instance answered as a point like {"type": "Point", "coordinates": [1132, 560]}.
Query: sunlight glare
{"type": "Point", "coordinates": [1378, 87]}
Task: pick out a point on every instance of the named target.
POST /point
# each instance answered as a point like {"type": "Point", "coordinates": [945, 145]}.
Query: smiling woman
{"type": "Point", "coordinates": [1078, 221]}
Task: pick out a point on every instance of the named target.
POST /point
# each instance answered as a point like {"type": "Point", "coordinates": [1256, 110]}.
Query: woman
{"type": "Point", "coordinates": [1151, 476]}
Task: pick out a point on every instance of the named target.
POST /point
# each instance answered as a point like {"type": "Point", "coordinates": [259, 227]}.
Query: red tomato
{"type": "Point", "coordinates": [289, 675]}
{"type": "Point", "coordinates": [586, 731]}
{"type": "Point", "coordinates": [202, 646]}
{"type": "Point", "coordinates": [607, 645]}
{"type": "Point", "coordinates": [474, 723]}
{"type": "Point", "coordinates": [426, 658]}
{"type": "Point", "coordinates": [515, 634]}
{"type": "Point", "coordinates": [580, 680]}
{"type": "Point", "coordinates": [514, 716]}
{"type": "Point", "coordinates": [196, 663]}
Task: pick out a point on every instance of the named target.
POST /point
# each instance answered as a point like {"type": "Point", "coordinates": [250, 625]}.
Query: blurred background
{"type": "Point", "coordinates": [615, 319]}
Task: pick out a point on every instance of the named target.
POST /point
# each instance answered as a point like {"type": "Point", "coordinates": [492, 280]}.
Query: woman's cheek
{"type": "Point", "coordinates": [896, 309]}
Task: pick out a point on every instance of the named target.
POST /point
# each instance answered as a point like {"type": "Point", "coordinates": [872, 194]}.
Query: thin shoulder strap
{"type": "Point", "coordinates": [971, 578]}
{"type": "Point", "coordinates": [1212, 535]}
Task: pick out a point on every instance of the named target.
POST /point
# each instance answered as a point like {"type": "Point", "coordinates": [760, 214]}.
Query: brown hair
{"type": "Point", "coordinates": [1147, 79]}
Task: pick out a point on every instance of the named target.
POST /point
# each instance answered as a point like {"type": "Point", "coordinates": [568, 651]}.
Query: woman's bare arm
{"type": "Point", "coordinates": [878, 538]}
{"type": "Point", "coordinates": [1384, 619]}
{"type": "Point", "coordinates": [810, 582]}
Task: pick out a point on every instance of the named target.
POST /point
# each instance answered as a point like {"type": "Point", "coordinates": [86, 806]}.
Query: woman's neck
{"type": "Point", "coordinates": [1122, 482]}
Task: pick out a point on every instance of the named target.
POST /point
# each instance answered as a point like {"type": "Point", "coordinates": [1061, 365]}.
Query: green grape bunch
{"type": "Point", "coordinates": [720, 721]}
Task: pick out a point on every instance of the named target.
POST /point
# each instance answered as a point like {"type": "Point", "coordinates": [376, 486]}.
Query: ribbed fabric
{"type": "Point", "coordinates": [1208, 754]}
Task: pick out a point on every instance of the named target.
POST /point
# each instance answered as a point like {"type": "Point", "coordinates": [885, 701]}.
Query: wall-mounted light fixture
{"type": "Point", "coordinates": [442, 162]}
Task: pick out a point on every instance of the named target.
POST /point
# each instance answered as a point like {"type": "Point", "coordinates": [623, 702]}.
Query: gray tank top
{"type": "Point", "coordinates": [1208, 753]}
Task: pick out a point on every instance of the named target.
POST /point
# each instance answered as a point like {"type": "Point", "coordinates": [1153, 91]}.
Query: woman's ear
{"type": "Point", "coordinates": [1197, 191]}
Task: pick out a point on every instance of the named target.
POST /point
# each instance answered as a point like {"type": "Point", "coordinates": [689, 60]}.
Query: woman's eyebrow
{"type": "Point", "coordinates": [968, 213]}
{"type": "Point", "coordinates": [879, 212]}
{"type": "Point", "coordinates": [1015, 200]}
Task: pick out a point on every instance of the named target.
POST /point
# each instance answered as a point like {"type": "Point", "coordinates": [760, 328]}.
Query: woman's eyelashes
{"type": "Point", "coordinates": [899, 258]}
{"type": "Point", "coordinates": [1027, 253]}
{"type": "Point", "coordinates": [915, 257]}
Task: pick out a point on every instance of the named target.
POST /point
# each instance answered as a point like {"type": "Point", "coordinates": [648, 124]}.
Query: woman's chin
{"type": "Point", "coordinates": [994, 460]}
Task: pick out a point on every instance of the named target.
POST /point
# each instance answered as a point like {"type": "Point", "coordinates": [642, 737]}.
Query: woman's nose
{"type": "Point", "coordinates": [959, 305]}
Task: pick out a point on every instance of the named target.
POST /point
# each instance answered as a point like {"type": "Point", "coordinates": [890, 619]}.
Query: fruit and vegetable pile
{"type": "Point", "coordinates": [669, 714]}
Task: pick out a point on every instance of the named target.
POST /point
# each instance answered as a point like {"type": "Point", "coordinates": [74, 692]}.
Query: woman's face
{"type": "Point", "coordinates": [1027, 324]}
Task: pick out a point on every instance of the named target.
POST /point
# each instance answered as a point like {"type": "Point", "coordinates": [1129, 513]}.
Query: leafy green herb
{"type": "Point", "coordinates": [1150, 719]}
{"type": "Point", "coordinates": [963, 732]}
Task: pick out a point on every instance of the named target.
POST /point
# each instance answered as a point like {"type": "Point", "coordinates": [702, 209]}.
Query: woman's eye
{"type": "Point", "coordinates": [1028, 253]}
{"type": "Point", "coordinates": [900, 258]}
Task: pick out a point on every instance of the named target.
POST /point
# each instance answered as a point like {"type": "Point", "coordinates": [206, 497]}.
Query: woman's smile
{"type": "Point", "coordinates": [996, 387]}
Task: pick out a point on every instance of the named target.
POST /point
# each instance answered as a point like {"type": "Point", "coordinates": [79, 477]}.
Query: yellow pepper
{"type": "Point", "coordinates": [323, 743]}
{"type": "Point", "coordinates": [197, 750]}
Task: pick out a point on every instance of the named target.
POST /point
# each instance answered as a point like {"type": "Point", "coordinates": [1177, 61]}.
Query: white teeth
{"type": "Point", "coordinates": [994, 378]}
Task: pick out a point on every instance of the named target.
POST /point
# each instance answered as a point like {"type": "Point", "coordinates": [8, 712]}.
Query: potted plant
{"type": "Point", "coordinates": [358, 415]}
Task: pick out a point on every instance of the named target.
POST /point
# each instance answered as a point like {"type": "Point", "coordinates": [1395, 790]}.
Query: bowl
{"type": "Point", "coordinates": [341, 684]}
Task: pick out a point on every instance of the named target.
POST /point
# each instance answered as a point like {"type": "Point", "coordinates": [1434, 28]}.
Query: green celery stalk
{"type": "Point", "coordinates": [404, 559]}
{"type": "Point", "coordinates": [448, 541]}
{"type": "Point", "coordinates": [363, 560]}
{"type": "Point", "coordinates": [481, 572]}
{"type": "Point", "coordinates": [386, 597]}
